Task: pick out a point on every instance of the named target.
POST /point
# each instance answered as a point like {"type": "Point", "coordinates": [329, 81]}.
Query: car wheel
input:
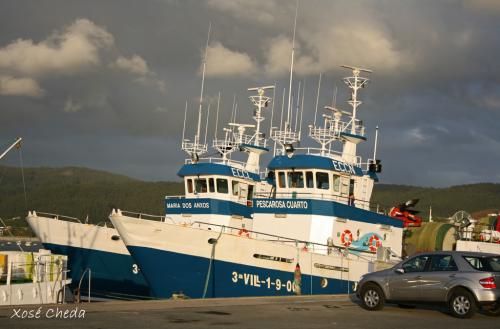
{"type": "Point", "coordinates": [495, 311]}
{"type": "Point", "coordinates": [462, 304]}
{"type": "Point", "coordinates": [372, 297]}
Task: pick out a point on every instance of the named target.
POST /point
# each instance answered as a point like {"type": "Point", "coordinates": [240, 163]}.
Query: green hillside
{"type": "Point", "coordinates": [82, 192]}
{"type": "Point", "coordinates": [79, 192]}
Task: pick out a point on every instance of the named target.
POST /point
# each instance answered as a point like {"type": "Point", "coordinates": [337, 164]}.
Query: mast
{"type": "Point", "coordinates": [217, 117]}
{"type": "Point", "coordinates": [197, 136]}
{"type": "Point", "coordinates": [285, 136]}
{"type": "Point", "coordinates": [354, 82]}
{"type": "Point", "coordinates": [317, 99]}
{"type": "Point", "coordinates": [184, 125]}
{"type": "Point", "coordinates": [349, 131]}
{"type": "Point", "coordinates": [196, 148]}
{"type": "Point", "coordinates": [256, 144]}
{"type": "Point", "coordinates": [291, 63]}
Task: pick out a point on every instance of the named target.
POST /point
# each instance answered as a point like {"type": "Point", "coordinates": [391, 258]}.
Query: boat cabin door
{"type": "Point", "coordinates": [351, 187]}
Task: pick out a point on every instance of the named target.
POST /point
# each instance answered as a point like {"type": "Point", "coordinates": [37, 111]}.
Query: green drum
{"type": "Point", "coordinates": [430, 237]}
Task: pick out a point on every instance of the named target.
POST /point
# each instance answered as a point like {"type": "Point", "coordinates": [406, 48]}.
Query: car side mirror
{"type": "Point", "coordinates": [399, 271]}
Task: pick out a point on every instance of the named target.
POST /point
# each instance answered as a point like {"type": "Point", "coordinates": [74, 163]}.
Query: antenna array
{"type": "Point", "coordinates": [336, 129]}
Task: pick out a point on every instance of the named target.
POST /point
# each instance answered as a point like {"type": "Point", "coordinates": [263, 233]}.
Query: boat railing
{"type": "Point", "coordinates": [359, 130]}
{"type": "Point", "coordinates": [332, 154]}
{"type": "Point", "coordinates": [302, 244]}
{"type": "Point", "coordinates": [74, 219]}
{"type": "Point", "coordinates": [479, 232]}
{"type": "Point", "coordinates": [229, 162]}
{"type": "Point", "coordinates": [140, 215]}
{"type": "Point", "coordinates": [34, 271]}
{"type": "Point", "coordinates": [250, 139]}
{"type": "Point", "coordinates": [56, 216]}
{"type": "Point", "coordinates": [175, 197]}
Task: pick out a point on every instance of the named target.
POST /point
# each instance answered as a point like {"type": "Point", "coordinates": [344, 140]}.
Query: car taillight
{"type": "Point", "coordinates": [488, 283]}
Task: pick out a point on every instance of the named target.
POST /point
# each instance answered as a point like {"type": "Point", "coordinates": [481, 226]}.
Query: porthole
{"type": "Point", "coordinates": [323, 282]}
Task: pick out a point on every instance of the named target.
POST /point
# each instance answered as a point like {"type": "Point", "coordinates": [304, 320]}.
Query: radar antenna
{"type": "Point", "coordinates": [285, 136]}
{"type": "Point", "coordinates": [196, 148]}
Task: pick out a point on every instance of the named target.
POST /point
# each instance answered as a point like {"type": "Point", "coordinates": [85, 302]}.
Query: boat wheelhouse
{"type": "Point", "coordinates": [322, 195]}
{"type": "Point", "coordinates": [220, 190]}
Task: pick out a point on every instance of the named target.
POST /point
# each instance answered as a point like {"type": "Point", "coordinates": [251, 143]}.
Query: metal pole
{"type": "Point", "coordinates": [11, 147]}
{"type": "Point", "coordinates": [317, 99]}
{"type": "Point", "coordinates": [90, 276]}
{"type": "Point", "coordinates": [375, 146]}
{"type": "Point", "coordinates": [291, 64]}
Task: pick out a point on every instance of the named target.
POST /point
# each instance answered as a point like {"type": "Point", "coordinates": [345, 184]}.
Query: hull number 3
{"type": "Point", "coordinates": [254, 280]}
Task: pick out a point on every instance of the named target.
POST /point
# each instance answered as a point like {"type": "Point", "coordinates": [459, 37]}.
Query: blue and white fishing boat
{"type": "Point", "coordinates": [304, 228]}
{"type": "Point", "coordinates": [97, 258]}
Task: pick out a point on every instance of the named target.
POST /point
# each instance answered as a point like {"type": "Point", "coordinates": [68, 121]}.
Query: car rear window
{"type": "Point", "coordinates": [485, 264]}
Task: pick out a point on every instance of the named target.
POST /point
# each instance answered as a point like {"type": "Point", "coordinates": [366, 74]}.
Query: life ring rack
{"type": "Point", "coordinates": [374, 247]}
{"type": "Point", "coordinates": [346, 238]}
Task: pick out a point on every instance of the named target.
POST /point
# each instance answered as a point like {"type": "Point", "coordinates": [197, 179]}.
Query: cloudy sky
{"type": "Point", "coordinates": [103, 84]}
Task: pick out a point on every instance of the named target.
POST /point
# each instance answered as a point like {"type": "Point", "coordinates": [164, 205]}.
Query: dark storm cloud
{"type": "Point", "coordinates": [112, 96]}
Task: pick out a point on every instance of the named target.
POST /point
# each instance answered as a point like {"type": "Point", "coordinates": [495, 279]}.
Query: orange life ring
{"type": "Point", "coordinates": [374, 247]}
{"type": "Point", "coordinates": [244, 232]}
{"type": "Point", "coordinates": [346, 238]}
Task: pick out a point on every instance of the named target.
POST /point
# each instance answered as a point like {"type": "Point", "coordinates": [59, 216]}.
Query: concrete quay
{"type": "Point", "coordinates": [263, 312]}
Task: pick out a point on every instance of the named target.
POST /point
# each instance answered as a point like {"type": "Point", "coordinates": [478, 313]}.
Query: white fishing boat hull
{"type": "Point", "coordinates": [197, 260]}
{"type": "Point", "coordinates": [114, 274]}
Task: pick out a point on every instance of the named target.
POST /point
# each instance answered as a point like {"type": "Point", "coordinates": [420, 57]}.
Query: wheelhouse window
{"type": "Point", "coordinates": [344, 189]}
{"type": "Point", "coordinates": [322, 180]}
{"type": "Point", "coordinates": [235, 187]}
{"type": "Point", "coordinates": [211, 185]}
{"type": "Point", "coordinates": [222, 186]}
{"type": "Point", "coordinates": [189, 184]}
{"type": "Point", "coordinates": [309, 179]}
{"type": "Point", "coordinates": [296, 179]}
{"type": "Point", "coordinates": [336, 183]}
{"type": "Point", "coordinates": [281, 179]}
{"type": "Point", "coordinates": [200, 185]}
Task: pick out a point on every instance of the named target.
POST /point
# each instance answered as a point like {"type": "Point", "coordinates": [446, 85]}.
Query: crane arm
{"type": "Point", "coordinates": [17, 144]}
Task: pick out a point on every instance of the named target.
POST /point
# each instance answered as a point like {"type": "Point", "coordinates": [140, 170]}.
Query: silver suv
{"type": "Point", "coordinates": [462, 280]}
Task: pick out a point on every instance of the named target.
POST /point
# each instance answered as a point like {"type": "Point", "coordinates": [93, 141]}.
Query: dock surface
{"type": "Point", "coordinates": [264, 312]}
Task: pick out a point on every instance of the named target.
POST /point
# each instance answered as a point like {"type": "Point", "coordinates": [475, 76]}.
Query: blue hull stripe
{"type": "Point", "coordinates": [206, 206]}
{"type": "Point", "coordinates": [112, 275]}
{"type": "Point", "coordinates": [322, 207]}
{"type": "Point", "coordinates": [169, 273]}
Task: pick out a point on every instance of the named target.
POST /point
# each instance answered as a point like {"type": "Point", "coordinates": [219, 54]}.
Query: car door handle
{"type": "Point", "coordinates": [418, 277]}
{"type": "Point", "coordinates": [452, 275]}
